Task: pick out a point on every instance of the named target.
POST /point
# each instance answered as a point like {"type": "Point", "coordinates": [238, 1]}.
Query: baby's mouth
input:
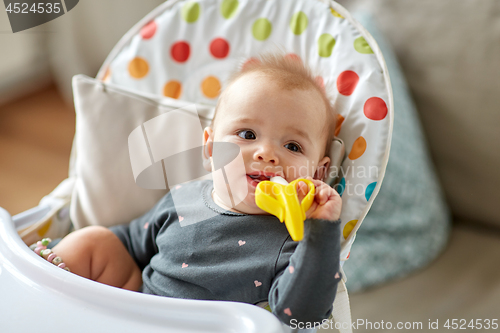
{"type": "Point", "coordinates": [256, 177]}
{"type": "Point", "coordinates": [259, 178]}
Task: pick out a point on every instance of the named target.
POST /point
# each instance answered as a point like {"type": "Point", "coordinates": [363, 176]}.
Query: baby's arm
{"type": "Point", "coordinates": [98, 254]}
{"type": "Point", "coordinates": [308, 272]}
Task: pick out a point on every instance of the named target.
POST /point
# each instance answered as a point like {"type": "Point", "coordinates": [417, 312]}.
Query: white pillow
{"type": "Point", "coordinates": [105, 191]}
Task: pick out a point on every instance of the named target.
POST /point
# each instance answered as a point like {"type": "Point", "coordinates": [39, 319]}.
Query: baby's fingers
{"type": "Point", "coordinates": [302, 190]}
{"type": "Point", "coordinates": [322, 195]}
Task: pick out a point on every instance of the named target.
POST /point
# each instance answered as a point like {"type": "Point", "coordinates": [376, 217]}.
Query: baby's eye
{"type": "Point", "coordinates": [247, 135]}
{"type": "Point", "coordinates": [293, 147]}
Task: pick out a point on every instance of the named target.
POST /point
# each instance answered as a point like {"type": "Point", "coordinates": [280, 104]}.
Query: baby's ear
{"type": "Point", "coordinates": [208, 140]}
{"type": "Point", "coordinates": [322, 170]}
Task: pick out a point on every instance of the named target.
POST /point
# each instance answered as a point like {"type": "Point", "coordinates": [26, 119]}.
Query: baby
{"type": "Point", "coordinates": [281, 119]}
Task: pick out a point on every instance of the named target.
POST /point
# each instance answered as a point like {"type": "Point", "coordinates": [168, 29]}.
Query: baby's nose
{"type": "Point", "coordinates": [266, 153]}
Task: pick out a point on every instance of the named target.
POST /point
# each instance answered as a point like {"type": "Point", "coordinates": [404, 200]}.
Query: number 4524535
{"type": "Point", "coordinates": [462, 324]}
{"type": "Point", "coordinates": [36, 8]}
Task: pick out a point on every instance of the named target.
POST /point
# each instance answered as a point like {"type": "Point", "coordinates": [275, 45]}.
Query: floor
{"type": "Point", "coordinates": [36, 134]}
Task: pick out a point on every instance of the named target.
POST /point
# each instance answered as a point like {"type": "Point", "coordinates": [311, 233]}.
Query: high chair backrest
{"type": "Point", "coordinates": [187, 49]}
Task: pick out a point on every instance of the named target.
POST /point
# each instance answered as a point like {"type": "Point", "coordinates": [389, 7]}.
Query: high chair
{"type": "Point", "coordinates": [179, 55]}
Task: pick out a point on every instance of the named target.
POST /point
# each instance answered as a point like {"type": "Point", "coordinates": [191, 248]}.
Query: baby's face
{"type": "Point", "coordinates": [279, 132]}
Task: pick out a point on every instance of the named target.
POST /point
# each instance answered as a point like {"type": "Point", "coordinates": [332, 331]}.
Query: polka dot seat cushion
{"type": "Point", "coordinates": [187, 49]}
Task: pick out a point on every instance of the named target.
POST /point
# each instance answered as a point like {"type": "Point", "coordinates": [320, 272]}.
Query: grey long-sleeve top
{"type": "Point", "coordinates": [234, 257]}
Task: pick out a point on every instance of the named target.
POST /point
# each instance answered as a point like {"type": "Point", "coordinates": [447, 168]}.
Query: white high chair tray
{"type": "Point", "coordinates": [39, 297]}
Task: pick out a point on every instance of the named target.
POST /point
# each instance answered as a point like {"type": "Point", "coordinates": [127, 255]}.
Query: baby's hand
{"type": "Point", "coordinates": [327, 203]}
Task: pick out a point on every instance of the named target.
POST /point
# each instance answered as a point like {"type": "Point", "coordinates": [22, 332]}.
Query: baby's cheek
{"type": "Point", "coordinates": [231, 179]}
{"type": "Point", "coordinates": [302, 171]}
{"type": "Point", "coordinates": [303, 167]}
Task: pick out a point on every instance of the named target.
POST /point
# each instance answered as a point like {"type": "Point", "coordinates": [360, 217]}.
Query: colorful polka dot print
{"type": "Point", "coordinates": [149, 30]}
{"type": "Point", "coordinates": [180, 51]}
{"type": "Point", "coordinates": [190, 11]}
{"type": "Point", "coordinates": [347, 82]}
{"type": "Point", "coordinates": [375, 108]}
{"type": "Point", "coordinates": [172, 89]}
{"type": "Point", "coordinates": [326, 42]}
{"type": "Point", "coordinates": [211, 87]}
{"type": "Point", "coordinates": [138, 68]}
{"type": "Point", "coordinates": [298, 23]}
{"type": "Point", "coordinates": [219, 48]}
{"type": "Point", "coordinates": [261, 29]}
{"type": "Point", "coordinates": [228, 8]}
{"type": "Point", "coordinates": [187, 50]}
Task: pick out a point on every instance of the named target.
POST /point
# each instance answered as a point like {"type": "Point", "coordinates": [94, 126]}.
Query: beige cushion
{"type": "Point", "coordinates": [449, 53]}
{"type": "Point", "coordinates": [105, 191]}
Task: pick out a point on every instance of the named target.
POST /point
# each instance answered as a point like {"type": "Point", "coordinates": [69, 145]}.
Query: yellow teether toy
{"type": "Point", "coordinates": [280, 199]}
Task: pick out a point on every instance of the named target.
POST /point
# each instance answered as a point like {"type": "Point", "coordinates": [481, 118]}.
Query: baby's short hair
{"type": "Point", "coordinates": [289, 72]}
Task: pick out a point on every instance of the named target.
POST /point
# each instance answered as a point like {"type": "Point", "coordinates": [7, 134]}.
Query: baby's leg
{"type": "Point", "coordinates": [98, 254]}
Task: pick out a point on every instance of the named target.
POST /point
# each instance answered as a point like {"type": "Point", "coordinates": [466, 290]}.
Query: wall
{"type": "Point", "coordinates": [24, 63]}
